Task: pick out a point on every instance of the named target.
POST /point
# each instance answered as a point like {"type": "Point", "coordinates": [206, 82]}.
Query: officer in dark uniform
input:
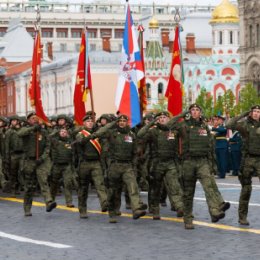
{"type": "Point", "coordinates": [221, 147]}
{"type": "Point", "coordinates": [235, 144]}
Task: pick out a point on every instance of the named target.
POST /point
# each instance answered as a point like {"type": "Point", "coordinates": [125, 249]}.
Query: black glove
{"type": "Point", "coordinates": [37, 127]}
{"type": "Point", "coordinates": [39, 161]}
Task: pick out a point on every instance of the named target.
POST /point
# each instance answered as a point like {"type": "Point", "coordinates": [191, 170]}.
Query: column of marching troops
{"type": "Point", "coordinates": [164, 156]}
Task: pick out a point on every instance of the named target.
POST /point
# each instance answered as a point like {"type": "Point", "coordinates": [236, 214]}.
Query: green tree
{"type": "Point", "coordinates": [205, 101]}
{"type": "Point", "coordinates": [160, 106]}
{"type": "Point", "coordinates": [248, 98]}
{"type": "Point", "coordinates": [229, 103]}
{"type": "Point", "coordinates": [219, 106]}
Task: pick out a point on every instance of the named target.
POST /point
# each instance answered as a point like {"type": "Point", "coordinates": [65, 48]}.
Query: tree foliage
{"type": "Point", "coordinates": [205, 101]}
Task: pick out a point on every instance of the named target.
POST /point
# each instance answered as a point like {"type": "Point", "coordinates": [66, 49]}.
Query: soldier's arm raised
{"type": "Point", "coordinates": [24, 131]}
{"type": "Point", "coordinates": [232, 123]}
{"type": "Point", "coordinates": [103, 130]}
{"type": "Point", "coordinates": [175, 119]}
{"type": "Point", "coordinates": [144, 130]}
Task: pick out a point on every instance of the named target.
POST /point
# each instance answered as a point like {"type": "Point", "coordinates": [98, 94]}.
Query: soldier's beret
{"type": "Point", "coordinates": [255, 107]}
{"type": "Point", "coordinates": [123, 117]}
{"type": "Point", "coordinates": [30, 115]}
{"type": "Point", "coordinates": [162, 113]}
{"type": "Point", "coordinates": [86, 117]}
{"type": "Point", "coordinates": [14, 117]}
{"type": "Point", "coordinates": [194, 105]}
{"type": "Point", "coordinates": [149, 116]}
{"type": "Point", "coordinates": [62, 116]}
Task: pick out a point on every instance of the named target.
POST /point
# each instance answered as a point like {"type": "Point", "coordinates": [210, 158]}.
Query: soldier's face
{"type": "Point", "coordinates": [163, 120]}
{"type": "Point", "coordinates": [89, 123]}
{"type": "Point", "coordinates": [61, 121]}
{"type": "Point", "coordinates": [33, 120]}
{"type": "Point", "coordinates": [255, 114]}
{"type": "Point", "coordinates": [195, 113]}
{"type": "Point", "coordinates": [63, 133]}
{"type": "Point", "coordinates": [122, 123]}
{"type": "Point", "coordinates": [1, 123]}
{"type": "Point", "coordinates": [103, 121]}
{"type": "Point", "coordinates": [14, 122]}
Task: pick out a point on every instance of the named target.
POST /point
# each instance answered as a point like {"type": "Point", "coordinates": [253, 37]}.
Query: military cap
{"type": "Point", "coordinates": [62, 116]}
{"type": "Point", "coordinates": [53, 118]}
{"type": "Point", "coordinates": [106, 116]}
{"type": "Point", "coordinates": [86, 117]}
{"type": "Point", "coordinates": [255, 107]}
{"type": "Point", "coordinates": [194, 105]}
{"type": "Point", "coordinates": [221, 117]}
{"type": "Point", "coordinates": [149, 116]}
{"type": "Point", "coordinates": [3, 119]}
{"type": "Point", "coordinates": [30, 115]}
{"type": "Point", "coordinates": [123, 117]}
{"type": "Point", "coordinates": [91, 113]}
{"type": "Point", "coordinates": [162, 113]}
{"type": "Point", "coordinates": [14, 117]}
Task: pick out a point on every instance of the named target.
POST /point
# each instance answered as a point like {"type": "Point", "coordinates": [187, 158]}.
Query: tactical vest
{"type": "Point", "coordinates": [121, 145]}
{"type": "Point", "coordinates": [62, 152]}
{"type": "Point", "coordinates": [89, 152]}
{"type": "Point", "coordinates": [16, 142]}
{"type": "Point", "coordinates": [253, 141]}
{"type": "Point", "coordinates": [199, 140]}
{"type": "Point", "coordinates": [29, 143]}
{"type": "Point", "coordinates": [166, 145]}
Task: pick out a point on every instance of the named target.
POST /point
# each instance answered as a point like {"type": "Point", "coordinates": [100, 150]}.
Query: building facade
{"type": "Point", "coordinates": [249, 12]}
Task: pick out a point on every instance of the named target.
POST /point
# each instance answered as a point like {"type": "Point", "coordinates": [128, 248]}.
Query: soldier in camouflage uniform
{"type": "Point", "coordinates": [196, 154]}
{"type": "Point", "coordinates": [122, 150]}
{"type": "Point", "coordinates": [63, 165]}
{"type": "Point", "coordinates": [164, 156]}
{"type": "Point", "coordinates": [36, 164]}
{"type": "Point", "coordinates": [250, 132]}
{"type": "Point", "coordinates": [89, 167]}
{"type": "Point", "coordinates": [14, 154]}
{"type": "Point", "coordinates": [5, 184]}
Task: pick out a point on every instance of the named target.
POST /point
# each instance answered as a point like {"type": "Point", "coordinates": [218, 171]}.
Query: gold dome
{"type": "Point", "coordinates": [153, 24]}
{"type": "Point", "coordinates": [225, 13]}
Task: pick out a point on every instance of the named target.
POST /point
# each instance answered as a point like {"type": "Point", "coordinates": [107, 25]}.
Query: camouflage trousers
{"type": "Point", "coordinates": [64, 172]}
{"type": "Point", "coordinates": [198, 168]}
{"type": "Point", "coordinates": [166, 172]}
{"type": "Point", "coordinates": [15, 176]}
{"type": "Point", "coordinates": [33, 173]}
{"type": "Point", "coordinates": [90, 170]}
{"type": "Point", "coordinates": [122, 173]}
{"type": "Point", "coordinates": [250, 165]}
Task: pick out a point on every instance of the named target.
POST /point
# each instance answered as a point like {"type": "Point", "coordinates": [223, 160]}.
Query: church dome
{"type": "Point", "coordinates": [153, 24]}
{"type": "Point", "coordinates": [226, 12]}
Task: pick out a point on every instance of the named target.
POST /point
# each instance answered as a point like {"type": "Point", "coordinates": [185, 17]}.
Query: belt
{"type": "Point", "coordinates": [17, 152]}
{"type": "Point", "coordinates": [89, 160]}
{"type": "Point", "coordinates": [221, 138]}
{"type": "Point", "coordinates": [233, 142]}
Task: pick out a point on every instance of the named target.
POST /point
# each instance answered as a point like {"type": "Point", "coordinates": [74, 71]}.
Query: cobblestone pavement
{"type": "Point", "coordinates": [62, 235]}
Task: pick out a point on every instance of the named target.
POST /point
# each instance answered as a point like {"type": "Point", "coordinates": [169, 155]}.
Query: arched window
{"type": "Point", "coordinates": [148, 90]}
{"type": "Point", "coordinates": [257, 35]}
{"type": "Point", "coordinates": [160, 91]}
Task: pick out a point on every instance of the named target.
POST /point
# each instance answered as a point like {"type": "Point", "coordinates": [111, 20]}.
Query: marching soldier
{"type": "Point", "coordinates": [36, 164]}
{"type": "Point", "coordinates": [14, 153]}
{"type": "Point", "coordinates": [164, 157]}
{"type": "Point", "coordinates": [196, 156]}
{"type": "Point", "coordinates": [250, 131]}
{"type": "Point", "coordinates": [122, 149]}
{"type": "Point", "coordinates": [89, 167]}
{"type": "Point", "coordinates": [63, 166]}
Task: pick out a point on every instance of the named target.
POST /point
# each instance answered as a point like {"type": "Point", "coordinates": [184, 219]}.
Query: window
{"type": "Point", "coordinates": [160, 91]}
{"type": "Point", "coordinates": [231, 37]}
{"type": "Point", "coordinates": [62, 33]}
{"type": "Point", "coordinates": [148, 89]}
{"type": "Point", "coordinates": [47, 33]}
{"type": "Point", "coordinates": [119, 33]}
{"type": "Point", "coordinates": [92, 33]}
{"type": "Point", "coordinates": [220, 38]}
{"type": "Point", "coordinates": [77, 47]}
{"type": "Point", "coordinates": [75, 33]}
{"type": "Point", "coordinates": [2, 31]}
{"type": "Point", "coordinates": [92, 47]}
{"type": "Point", "coordinates": [257, 36]}
{"type": "Point", "coordinates": [250, 36]}
{"type": "Point", "coordinates": [63, 47]}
